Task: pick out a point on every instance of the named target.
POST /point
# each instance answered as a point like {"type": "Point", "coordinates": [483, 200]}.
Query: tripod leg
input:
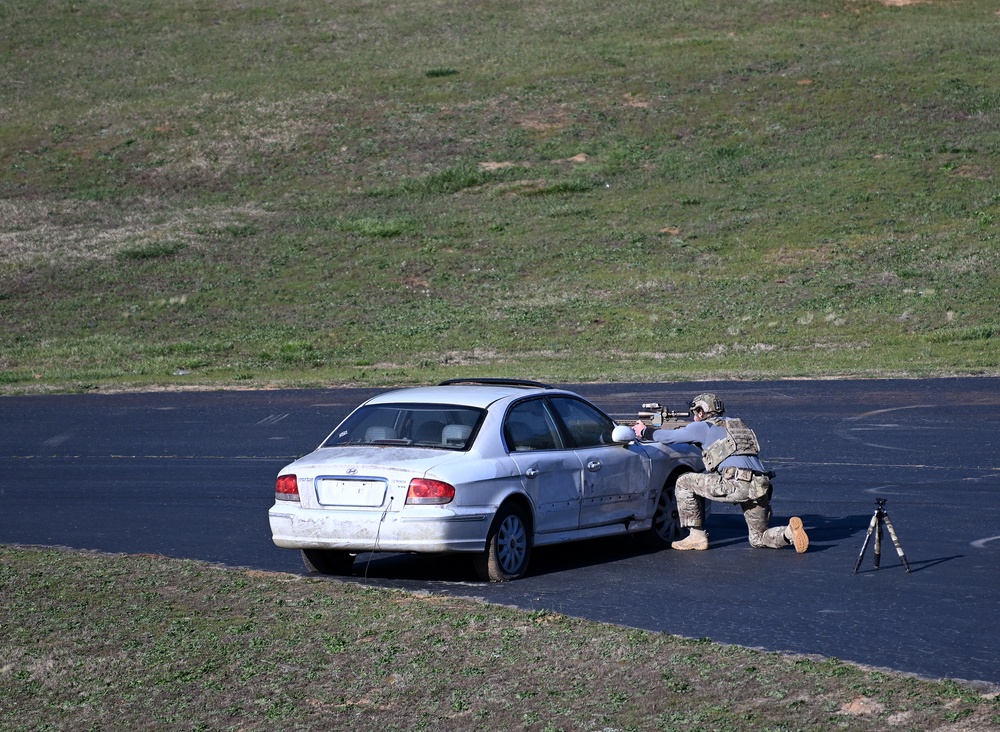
{"type": "Point", "coordinates": [895, 540]}
{"type": "Point", "coordinates": [871, 527]}
{"type": "Point", "coordinates": [878, 539]}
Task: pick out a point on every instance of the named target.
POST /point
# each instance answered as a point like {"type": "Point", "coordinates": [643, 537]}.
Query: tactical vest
{"type": "Point", "coordinates": [739, 440]}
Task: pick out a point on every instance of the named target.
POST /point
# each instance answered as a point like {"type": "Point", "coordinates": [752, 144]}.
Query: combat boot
{"type": "Point", "coordinates": [795, 534]}
{"type": "Point", "coordinates": [696, 541]}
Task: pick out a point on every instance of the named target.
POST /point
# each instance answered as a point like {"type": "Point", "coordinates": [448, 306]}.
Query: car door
{"type": "Point", "coordinates": [550, 473]}
{"type": "Point", "coordinates": [615, 479]}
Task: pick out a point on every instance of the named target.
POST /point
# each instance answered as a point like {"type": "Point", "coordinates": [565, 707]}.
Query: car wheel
{"type": "Point", "coordinates": [666, 521]}
{"type": "Point", "coordinates": [327, 561]}
{"type": "Point", "coordinates": [508, 547]}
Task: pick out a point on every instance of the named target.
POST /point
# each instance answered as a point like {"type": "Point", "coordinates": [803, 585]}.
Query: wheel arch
{"type": "Point", "coordinates": [676, 473]}
{"type": "Point", "coordinates": [665, 518]}
{"type": "Point", "coordinates": [522, 502]}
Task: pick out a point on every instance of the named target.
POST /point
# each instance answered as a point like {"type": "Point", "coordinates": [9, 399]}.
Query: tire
{"type": "Point", "coordinates": [508, 547]}
{"type": "Point", "coordinates": [666, 521]}
{"type": "Point", "coordinates": [327, 561]}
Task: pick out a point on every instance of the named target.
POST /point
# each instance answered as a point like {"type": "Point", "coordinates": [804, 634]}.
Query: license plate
{"type": "Point", "coordinates": [338, 492]}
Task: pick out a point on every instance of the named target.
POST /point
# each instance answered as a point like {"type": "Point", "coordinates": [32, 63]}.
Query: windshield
{"type": "Point", "coordinates": [444, 426]}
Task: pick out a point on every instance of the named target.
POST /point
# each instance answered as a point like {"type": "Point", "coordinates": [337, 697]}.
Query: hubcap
{"type": "Point", "coordinates": [666, 521]}
{"type": "Point", "coordinates": [512, 544]}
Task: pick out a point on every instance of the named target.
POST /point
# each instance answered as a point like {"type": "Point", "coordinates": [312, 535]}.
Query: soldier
{"type": "Point", "coordinates": [733, 474]}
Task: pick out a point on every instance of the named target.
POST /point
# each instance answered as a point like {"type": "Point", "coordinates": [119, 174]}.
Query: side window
{"type": "Point", "coordinates": [587, 426]}
{"type": "Point", "coordinates": [529, 426]}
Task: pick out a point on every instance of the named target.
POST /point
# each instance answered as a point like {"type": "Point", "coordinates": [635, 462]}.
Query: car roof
{"type": "Point", "coordinates": [465, 393]}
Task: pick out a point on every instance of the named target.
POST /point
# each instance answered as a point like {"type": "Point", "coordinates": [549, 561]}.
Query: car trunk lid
{"type": "Point", "coordinates": [363, 478]}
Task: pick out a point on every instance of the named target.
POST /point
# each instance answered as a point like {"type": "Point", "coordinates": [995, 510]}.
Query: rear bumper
{"type": "Point", "coordinates": [416, 529]}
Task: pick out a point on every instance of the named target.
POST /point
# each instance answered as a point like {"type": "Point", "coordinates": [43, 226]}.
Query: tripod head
{"type": "Point", "coordinates": [880, 502]}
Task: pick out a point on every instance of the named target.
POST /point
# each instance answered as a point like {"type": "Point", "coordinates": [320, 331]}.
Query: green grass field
{"type": "Point", "coordinates": [94, 642]}
{"type": "Point", "coordinates": [238, 194]}
{"type": "Point", "coordinates": [249, 193]}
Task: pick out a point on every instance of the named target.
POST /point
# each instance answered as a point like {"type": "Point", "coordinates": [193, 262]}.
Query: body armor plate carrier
{"type": "Point", "coordinates": [739, 440]}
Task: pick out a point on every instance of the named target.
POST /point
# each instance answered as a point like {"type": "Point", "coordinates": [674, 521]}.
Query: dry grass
{"type": "Point", "coordinates": [154, 642]}
{"type": "Point", "coordinates": [62, 231]}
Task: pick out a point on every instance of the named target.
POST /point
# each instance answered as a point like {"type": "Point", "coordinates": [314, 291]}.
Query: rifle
{"type": "Point", "coordinates": [658, 416]}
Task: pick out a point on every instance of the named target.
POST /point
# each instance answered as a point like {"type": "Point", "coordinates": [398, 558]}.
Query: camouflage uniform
{"type": "Point", "coordinates": [738, 479]}
{"type": "Point", "coordinates": [731, 487]}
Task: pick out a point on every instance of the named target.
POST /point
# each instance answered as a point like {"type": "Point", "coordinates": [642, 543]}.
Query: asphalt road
{"type": "Point", "coordinates": [191, 475]}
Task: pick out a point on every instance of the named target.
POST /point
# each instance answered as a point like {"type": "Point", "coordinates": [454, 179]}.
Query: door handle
{"type": "Point", "coordinates": [594, 465]}
{"type": "Point", "coordinates": [531, 473]}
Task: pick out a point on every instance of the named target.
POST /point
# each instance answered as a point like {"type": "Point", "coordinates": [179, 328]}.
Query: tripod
{"type": "Point", "coordinates": [876, 526]}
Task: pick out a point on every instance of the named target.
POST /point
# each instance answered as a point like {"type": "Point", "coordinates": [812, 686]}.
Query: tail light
{"type": "Point", "coordinates": [425, 491]}
{"type": "Point", "coordinates": [287, 488]}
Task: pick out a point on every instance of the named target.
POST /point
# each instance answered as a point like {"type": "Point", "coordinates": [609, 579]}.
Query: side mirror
{"type": "Point", "coordinates": [623, 434]}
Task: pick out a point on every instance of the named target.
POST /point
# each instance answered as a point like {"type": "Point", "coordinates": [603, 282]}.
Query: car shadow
{"type": "Point", "coordinates": [459, 567]}
{"type": "Point", "coordinates": [725, 529]}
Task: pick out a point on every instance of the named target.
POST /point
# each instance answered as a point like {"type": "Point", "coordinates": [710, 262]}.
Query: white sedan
{"type": "Point", "coordinates": [491, 467]}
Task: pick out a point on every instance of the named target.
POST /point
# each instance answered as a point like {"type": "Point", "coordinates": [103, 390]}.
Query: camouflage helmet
{"type": "Point", "coordinates": [708, 403]}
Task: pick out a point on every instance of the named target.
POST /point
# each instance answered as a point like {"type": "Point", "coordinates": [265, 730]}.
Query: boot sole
{"type": "Point", "coordinates": [799, 537]}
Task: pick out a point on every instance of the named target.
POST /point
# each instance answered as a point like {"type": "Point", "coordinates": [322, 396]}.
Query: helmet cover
{"type": "Point", "coordinates": [708, 403]}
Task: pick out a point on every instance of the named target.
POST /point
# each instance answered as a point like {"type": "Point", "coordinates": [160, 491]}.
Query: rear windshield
{"type": "Point", "coordinates": [442, 426]}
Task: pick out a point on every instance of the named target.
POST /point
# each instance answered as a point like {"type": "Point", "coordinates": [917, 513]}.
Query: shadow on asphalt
{"type": "Point", "coordinates": [459, 568]}
{"type": "Point", "coordinates": [825, 533]}
{"type": "Point", "coordinates": [867, 565]}
{"type": "Point", "coordinates": [725, 530]}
